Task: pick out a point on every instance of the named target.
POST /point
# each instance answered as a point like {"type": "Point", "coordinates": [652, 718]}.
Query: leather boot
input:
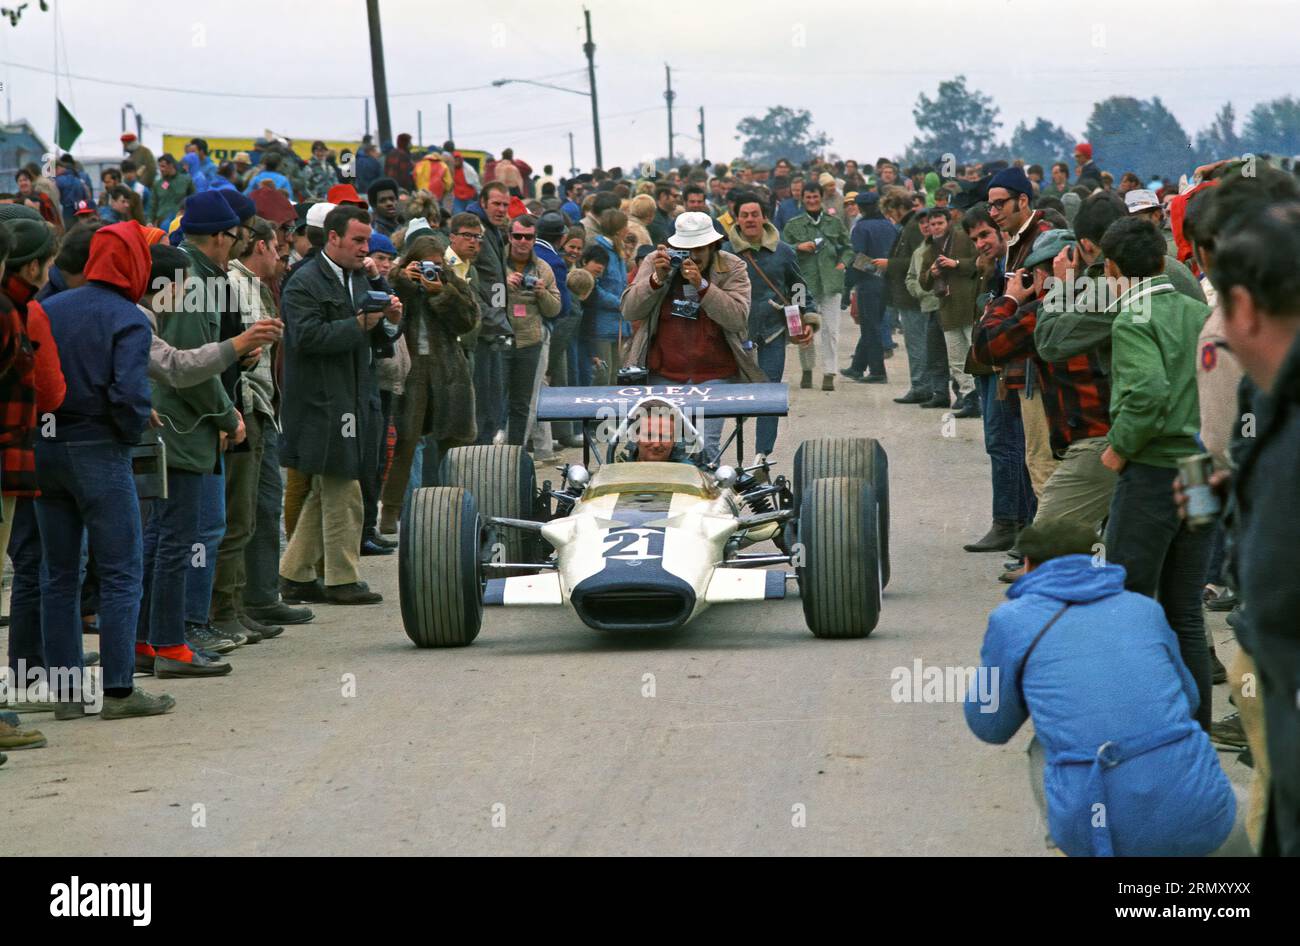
{"type": "Point", "coordinates": [828, 382]}
{"type": "Point", "coordinates": [806, 380]}
{"type": "Point", "coordinates": [1000, 537]}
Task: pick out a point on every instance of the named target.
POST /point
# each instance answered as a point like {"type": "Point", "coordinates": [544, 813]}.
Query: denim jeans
{"type": "Point", "coordinates": [869, 355]}
{"type": "Point", "coordinates": [89, 486]}
{"type": "Point", "coordinates": [171, 548]}
{"type": "Point", "coordinates": [562, 365]}
{"type": "Point", "coordinates": [936, 357]}
{"type": "Point", "coordinates": [212, 527]}
{"type": "Point", "coordinates": [25, 642]}
{"type": "Point", "coordinates": [887, 324]}
{"type": "Point", "coordinates": [262, 553]}
{"type": "Point", "coordinates": [1164, 560]}
{"type": "Point", "coordinates": [1004, 442]}
{"type": "Point", "coordinates": [520, 371]}
{"type": "Point", "coordinates": [771, 358]}
{"type": "Point", "coordinates": [914, 340]}
{"type": "Point", "coordinates": [489, 391]}
{"type": "Point", "coordinates": [590, 348]}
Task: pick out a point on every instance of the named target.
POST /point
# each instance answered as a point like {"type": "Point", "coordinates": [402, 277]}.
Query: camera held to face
{"type": "Point", "coordinates": [531, 281]}
{"type": "Point", "coordinates": [430, 270]}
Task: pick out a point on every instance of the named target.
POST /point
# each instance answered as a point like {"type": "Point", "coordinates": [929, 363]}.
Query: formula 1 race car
{"type": "Point", "coordinates": [647, 544]}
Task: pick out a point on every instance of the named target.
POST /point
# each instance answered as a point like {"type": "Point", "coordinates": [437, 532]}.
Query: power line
{"type": "Point", "coordinates": [251, 95]}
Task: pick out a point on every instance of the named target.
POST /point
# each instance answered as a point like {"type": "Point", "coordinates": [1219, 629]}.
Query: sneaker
{"type": "Point", "coordinates": [851, 375]}
{"type": "Point", "coordinates": [139, 703]}
{"type": "Point", "coordinates": [874, 379]}
{"type": "Point", "coordinates": [29, 706]}
{"type": "Point", "coordinates": [233, 632]}
{"type": "Point", "coordinates": [196, 666]}
{"type": "Point", "coordinates": [234, 629]}
{"type": "Point", "coordinates": [73, 710]}
{"type": "Point", "coordinates": [280, 614]}
{"type": "Point", "coordinates": [265, 631]}
{"type": "Point", "coordinates": [1228, 732]}
{"type": "Point", "coordinates": [1009, 577]}
{"type": "Point", "coordinates": [203, 638]}
{"type": "Point", "coordinates": [12, 738]}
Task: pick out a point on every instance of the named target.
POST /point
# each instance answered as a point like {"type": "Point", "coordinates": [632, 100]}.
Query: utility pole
{"type": "Point", "coordinates": [419, 127]}
{"type": "Point", "coordinates": [367, 118]}
{"type": "Point", "coordinates": [590, 49]}
{"type": "Point", "coordinates": [703, 152]}
{"type": "Point", "coordinates": [668, 97]}
{"type": "Point", "coordinates": [450, 136]}
{"type": "Point", "coordinates": [573, 165]}
{"type": "Point", "coordinates": [377, 69]}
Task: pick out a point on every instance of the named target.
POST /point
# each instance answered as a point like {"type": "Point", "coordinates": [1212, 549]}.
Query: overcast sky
{"type": "Point", "coordinates": [858, 73]}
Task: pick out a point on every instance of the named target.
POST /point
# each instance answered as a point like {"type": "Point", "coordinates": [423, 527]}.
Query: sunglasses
{"type": "Point", "coordinates": [523, 236]}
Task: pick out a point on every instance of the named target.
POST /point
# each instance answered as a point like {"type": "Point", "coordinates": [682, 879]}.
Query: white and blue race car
{"type": "Point", "coordinates": [647, 545]}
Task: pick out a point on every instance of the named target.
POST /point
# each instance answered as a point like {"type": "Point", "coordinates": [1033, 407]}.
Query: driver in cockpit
{"type": "Point", "coordinates": [657, 431]}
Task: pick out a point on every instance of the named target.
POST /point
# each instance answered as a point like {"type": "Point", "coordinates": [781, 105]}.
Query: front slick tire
{"type": "Point", "coordinates": [840, 579]}
{"type": "Point", "coordinates": [438, 568]}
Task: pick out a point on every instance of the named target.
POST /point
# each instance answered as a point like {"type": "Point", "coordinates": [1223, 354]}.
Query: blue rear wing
{"type": "Point", "coordinates": [697, 400]}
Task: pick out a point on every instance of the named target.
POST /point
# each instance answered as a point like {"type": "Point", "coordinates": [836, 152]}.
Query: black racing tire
{"type": "Point", "coordinates": [504, 483]}
{"type": "Point", "coordinates": [438, 572]}
{"type": "Point", "coordinates": [839, 575]}
{"type": "Point", "coordinates": [860, 457]}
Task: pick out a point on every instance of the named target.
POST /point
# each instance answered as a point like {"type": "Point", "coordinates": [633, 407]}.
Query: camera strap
{"type": "Point", "coordinates": [749, 258]}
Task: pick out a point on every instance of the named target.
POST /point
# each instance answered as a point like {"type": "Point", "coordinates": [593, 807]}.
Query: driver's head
{"type": "Point", "coordinates": [655, 436]}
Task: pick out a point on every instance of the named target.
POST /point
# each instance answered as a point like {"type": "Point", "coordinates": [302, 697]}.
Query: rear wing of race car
{"type": "Point", "coordinates": [611, 405]}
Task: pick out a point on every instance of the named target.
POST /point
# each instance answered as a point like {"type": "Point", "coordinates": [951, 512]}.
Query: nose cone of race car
{"type": "Point", "coordinates": [633, 594]}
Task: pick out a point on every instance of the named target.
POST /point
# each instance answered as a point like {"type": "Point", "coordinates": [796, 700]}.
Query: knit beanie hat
{"type": "Point", "coordinates": [207, 213]}
{"type": "Point", "coordinates": [29, 240]}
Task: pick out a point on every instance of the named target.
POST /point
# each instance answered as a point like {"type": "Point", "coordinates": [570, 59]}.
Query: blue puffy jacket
{"type": "Point", "coordinates": [601, 312]}
{"type": "Point", "coordinates": [1105, 682]}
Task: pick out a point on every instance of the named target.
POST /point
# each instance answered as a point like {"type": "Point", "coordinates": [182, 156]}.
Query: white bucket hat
{"type": "Point", "coordinates": [693, 229]}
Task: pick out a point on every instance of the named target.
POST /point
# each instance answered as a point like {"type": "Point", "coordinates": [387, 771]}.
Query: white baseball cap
{"type": "Point", "coordinates": [317, 213]}
{"type": "Point", "coordinates": [694, 228]}
{"type": "Point", "coordinates": [1141, 199]}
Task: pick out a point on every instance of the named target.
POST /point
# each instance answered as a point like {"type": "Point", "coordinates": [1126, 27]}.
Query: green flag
{"type": "Point", "coordinates": [66, 129]}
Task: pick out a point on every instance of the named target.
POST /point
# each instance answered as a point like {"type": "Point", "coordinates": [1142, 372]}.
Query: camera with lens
{"type": "Point", "coordinates": [685, 309]}
{"type": "Point", "coordinates": [632, 374]}
{"type": "Point", "coordinates": [430, 270]}
{"type": "Point", "coordinates": [531, 281]}
{"type": "Point", "coordinates": [375, 301]}
{"type": "Point", "coordinates": [677, 257]}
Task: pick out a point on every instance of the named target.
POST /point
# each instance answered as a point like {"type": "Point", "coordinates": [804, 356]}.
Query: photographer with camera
{"type": "Point", "coordinates": [332, 318]}
{"type": "Point", "coordinates": [532, 299]}
{"type": "Point", "coordinates": [495, 332]}
{"type": "Point", "coordinates": [691, 309]}
{"type": "Point", "coordinates": [438, 397]}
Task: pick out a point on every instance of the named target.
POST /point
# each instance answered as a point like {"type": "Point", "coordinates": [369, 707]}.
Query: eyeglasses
{"type": "Point", "coordinates": [467, 235]}
{"type": "Point", "coordinates": [233, 236]}
{"type": "Point", "coordinates": [1000, 203]}
{"type": "Point", "coordinates": [522, 237]}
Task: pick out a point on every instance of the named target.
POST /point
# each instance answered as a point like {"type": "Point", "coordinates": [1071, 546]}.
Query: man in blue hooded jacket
{"type": "Point", "coordinates": [1119, 762]}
